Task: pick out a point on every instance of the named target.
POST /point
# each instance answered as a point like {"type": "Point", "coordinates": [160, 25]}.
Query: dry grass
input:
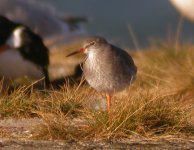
{"type": "Point", "coordinates": [159, 103]}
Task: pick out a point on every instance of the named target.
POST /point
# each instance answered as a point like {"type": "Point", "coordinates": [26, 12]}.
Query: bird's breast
{"type": "Point", "coordinates": [92, 68]}
{"type": "Point", "coordinates": [98, 75]}
{"type": "Point", "coordinates": [108, 73]}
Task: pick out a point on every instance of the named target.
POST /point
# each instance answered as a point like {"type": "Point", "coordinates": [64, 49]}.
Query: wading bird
{"type": "Point", "coordinates": [107, 68]}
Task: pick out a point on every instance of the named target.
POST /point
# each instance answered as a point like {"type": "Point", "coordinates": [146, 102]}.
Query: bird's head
{"type": "Point", "coordinates": [15, 40]}
{"type": "Point", "coordinates": [11, 34]}
{"type": "Point", "coordinates": [6, 29]}
{"type": "Point", "coordinates": [14, 35]}
{"type": "Point", "coordinates": [91, 44]}
{"type": "Point", "coordinates": [19, 38]}
{"type": "Point", "coordinates": [22, 36]}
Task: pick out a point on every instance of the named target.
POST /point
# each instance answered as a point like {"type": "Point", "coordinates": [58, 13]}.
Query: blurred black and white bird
{"type": "Point", "coordinates": [44, 20]}
{"type": "Point", "coordinates": [29, 54]}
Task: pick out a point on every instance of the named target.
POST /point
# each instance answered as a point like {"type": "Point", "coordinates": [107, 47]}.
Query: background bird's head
{"type": "Point", "coordinates": [28, 44]}
{"type": "Point", "coordinates": [22, 37]}
{"type": "Point", "coordinates": [19, 37]}
{"type": "Point", "coordinates": [6, 29]}
{"type": "Point", "coordinates": [10, 34]}
{"type": "Point", "coordinates": [16, 38]}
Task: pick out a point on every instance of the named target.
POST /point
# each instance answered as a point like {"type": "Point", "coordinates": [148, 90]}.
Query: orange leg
{"type": "Point", "coordinates": [108, 101]}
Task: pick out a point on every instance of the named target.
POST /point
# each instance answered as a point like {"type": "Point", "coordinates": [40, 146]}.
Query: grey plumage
{"type": "Point", "coordinates": [108, 68]}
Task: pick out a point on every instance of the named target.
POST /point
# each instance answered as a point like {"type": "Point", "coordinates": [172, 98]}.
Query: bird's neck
{"type": "Point", "coordinates": [93, 54]}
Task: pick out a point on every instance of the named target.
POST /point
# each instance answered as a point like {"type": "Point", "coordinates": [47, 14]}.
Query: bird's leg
{"type": "Point", "coordinates": [47, 81]}
{"type": "Point", "coordinates": [108, 96]}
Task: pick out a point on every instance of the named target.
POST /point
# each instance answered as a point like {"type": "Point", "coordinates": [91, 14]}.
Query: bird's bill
{"type": "Point", "coordinates": [4, 48]}
{"type": "Point", "coordinates": [76, 52]}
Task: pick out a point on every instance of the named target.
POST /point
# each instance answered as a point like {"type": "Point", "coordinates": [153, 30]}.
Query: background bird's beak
{"type": "Point", "coordinates": [76, 52]}
{"type": "Point", "coordinates": [4, 47]}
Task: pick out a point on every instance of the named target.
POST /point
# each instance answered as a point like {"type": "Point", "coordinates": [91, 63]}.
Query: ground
{"type": "Point", "coordinates": [17, 135]}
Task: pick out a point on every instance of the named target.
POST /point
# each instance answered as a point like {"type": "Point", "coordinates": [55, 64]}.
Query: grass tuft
{"type": "Point", "coordinates": [160, 102]}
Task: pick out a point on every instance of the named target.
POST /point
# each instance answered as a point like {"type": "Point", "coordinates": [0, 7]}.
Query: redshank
{"type": "Point", "coordinates": [107, 68]}
{"type": "Point", "coordinates": [28, 44]}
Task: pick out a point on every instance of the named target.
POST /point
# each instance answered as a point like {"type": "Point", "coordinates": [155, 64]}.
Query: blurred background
{"type": "Point", "coordinates": [149, 19]}
{"type": "Point", "coordinates": [130, 24]}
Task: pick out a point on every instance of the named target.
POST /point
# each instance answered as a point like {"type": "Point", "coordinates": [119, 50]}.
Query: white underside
{"type": "Point", "coordinates": [12, 65]}
{"type": "Point", "coordinates": [186, 7]}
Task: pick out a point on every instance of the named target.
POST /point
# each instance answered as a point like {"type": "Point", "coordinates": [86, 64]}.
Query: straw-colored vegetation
{"type": "Point", "coordinates": [160, 102]}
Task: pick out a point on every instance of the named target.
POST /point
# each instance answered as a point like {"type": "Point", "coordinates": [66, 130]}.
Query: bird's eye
{"type": "Point", "coordinates": [91, 43]}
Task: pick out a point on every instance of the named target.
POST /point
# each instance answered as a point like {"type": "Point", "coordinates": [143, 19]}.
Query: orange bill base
{"type": "Point", "coordinates": [4, 48]}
